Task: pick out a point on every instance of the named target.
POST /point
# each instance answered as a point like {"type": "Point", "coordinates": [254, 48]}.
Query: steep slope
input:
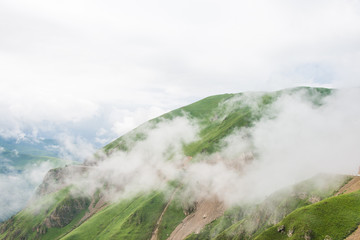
{"type": "Point", "coordinates": [218, 116]}
{"type": "Point", "coordinates": [140, 215]}
{"type": "Point", "coordinates": [247, 221]}
{"type": "Point", "coordinates": [129, 219]}
{"type": "Point", "coordinates": [47, 217]}
{"type": "Point", "coordinates": [333, 218]}
{"type": "Point", "coordinates": [21, 162]}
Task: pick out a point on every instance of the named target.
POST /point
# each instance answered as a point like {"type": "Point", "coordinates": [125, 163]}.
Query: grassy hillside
{"type": "Point", "coordinates": [136, 217]}
{"type": "Point", "coordinates": [247, 221]}
{"type": "Point", "coordinates": [46, 218]}
{"type": "Point", "coordinates": [218, 116]}
{"type": "Point", "coordinates": [129, 219]}
{"type": "Point", "coordinates": [201, 110]}
{"type": "Point", "coordinates": [333, 218]}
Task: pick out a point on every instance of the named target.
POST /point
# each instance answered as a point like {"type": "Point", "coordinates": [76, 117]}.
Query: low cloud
{"type": "Point", "coordinates": [123, 120]}
{"type": "Point", "coordinates": [294, 140]}
{"type": "Point", "coordinates": [18, 187]}
{"type": "Point", "coordinates": [74, 148]}
{"type": "Point", "coordinates": [301, 141]}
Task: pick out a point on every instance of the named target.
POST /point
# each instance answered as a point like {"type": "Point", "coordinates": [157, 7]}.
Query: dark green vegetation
{"type": "Point", "coordinates": [306, 209]}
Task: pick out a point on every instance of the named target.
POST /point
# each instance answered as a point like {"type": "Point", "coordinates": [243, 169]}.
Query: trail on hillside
{"type": "Point", "coordinates": [352, 186]}
{"type": "Point", "coordinates": [156, 231]}
{"type": "Point", "coordinates": [355, 235]}
{"type": "Point", "coordinates": [206, 211]}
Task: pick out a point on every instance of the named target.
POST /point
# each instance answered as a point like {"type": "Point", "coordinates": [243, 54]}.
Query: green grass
{"type": "Point", "coordinates": [248, 221]}
{"type": "Point", "coordinates": [57, 233]}
{"type": "Point", "coordinates": [336, 217]}
{"type": "Point", "coordinates": [171, 219]}
{"type": "Point", "coordinates": [217, 116]}
{"type": "Point", "coordinates": [26, 222]}
{"type": "Point", "coordinates": [200, 110]}
{"type": "Point", "coordinates": [129, 219]}
{"type": "Point", "coordinates": [210, 137]}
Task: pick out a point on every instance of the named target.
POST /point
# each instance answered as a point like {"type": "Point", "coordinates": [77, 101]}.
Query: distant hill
{"type": "Point", "coordinates": [18, 160]}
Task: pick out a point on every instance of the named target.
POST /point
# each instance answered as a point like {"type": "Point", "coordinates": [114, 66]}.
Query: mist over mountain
{"type": "Point", "coordinates": [179, 119]}
{"type": "Point", "coordinates": [228, 166]}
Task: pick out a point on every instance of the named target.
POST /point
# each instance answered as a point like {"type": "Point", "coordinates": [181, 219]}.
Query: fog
{"type": "Point", "coordinates": [294, 140]}
{"type": "Point", "coordinates": [17, 187]}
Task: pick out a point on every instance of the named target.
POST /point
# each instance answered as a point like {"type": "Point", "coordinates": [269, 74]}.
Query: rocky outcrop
{"type": "Point", "coordinates": [58, 178]}
{"type": "Point", "coordinates": [308, 235]}
{"type": "Point", "coordinates": [66, 212]}
{"type": "Point", "coordinates": [281, 229]}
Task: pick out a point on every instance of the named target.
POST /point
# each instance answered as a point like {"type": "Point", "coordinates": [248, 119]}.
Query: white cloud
{"type": "Point", "coordinates": [17, 188]}
{"type": "Point", "coordinates": [124, 120]}
{"type": "Point", "coordinates": [67, 61]}
{"type": "Point", "coordinates": [74, 148]}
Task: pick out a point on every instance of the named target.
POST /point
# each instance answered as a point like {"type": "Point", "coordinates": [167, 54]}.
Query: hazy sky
{"type": "Point", "coordinates": [103, 67]}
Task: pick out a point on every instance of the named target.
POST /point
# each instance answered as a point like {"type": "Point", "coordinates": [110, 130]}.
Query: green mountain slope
{"type": "Point", "coordinates": [130, 219]}
{"type": "Point", "coordinates": [333, 218]}
{"type": "Point", "coordinates": [20, 164]}
{"type": "Point", "coordinates": [246, 222]}
{"type": "Point", "coordinates": [140, 215]}
{"type": "Point", "coordinates": [47, 217]}
{"type": "Point", "coordinates": [218, 116]}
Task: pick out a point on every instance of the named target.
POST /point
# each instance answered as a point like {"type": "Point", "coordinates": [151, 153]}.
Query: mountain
{"type": "Point", "coordinates": [15, 155]}
{"type": "Point", "coordinates": [198, 172]}
{"type": "Point", "coordinates": [20, 164]}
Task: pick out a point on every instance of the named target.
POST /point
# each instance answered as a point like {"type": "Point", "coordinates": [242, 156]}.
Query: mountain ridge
{"type": "Point", "coordinates": [137, 215]}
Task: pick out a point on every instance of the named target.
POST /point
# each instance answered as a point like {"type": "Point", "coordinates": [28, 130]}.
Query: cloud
{"type": "Point", "coordinates": [293, 141]}
{"type": "Point", "coordinates": [74, 148]}
{"type": "Point", "coordinates": [124, 120]}
{"type": "Point", "coordinates": [150, 161]}
{"type": "Point", "coordinates": [297, 141]}
{"type": "Point", "coordinates": [18, 187]}
{"type": "Point", "coordinates": [81, 68]}
{"type": "Point", "coordinates": [66, 62]}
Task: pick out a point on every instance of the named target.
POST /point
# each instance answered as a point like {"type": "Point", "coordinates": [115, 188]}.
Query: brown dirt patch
{"type": "Point", "coordinates": [206, 211]}
{"type": "Point", "coordinates": [352, 186]}
{"type": "Point", "coordinates": [355, 235]}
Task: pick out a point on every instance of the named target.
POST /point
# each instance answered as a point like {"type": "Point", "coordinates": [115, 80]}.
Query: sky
{"type": "Point", "coordinates": [89, 71]}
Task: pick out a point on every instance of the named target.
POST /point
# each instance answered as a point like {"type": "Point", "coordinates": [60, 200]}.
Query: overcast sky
{"type": "Point", "coordinates": [97, 69]}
